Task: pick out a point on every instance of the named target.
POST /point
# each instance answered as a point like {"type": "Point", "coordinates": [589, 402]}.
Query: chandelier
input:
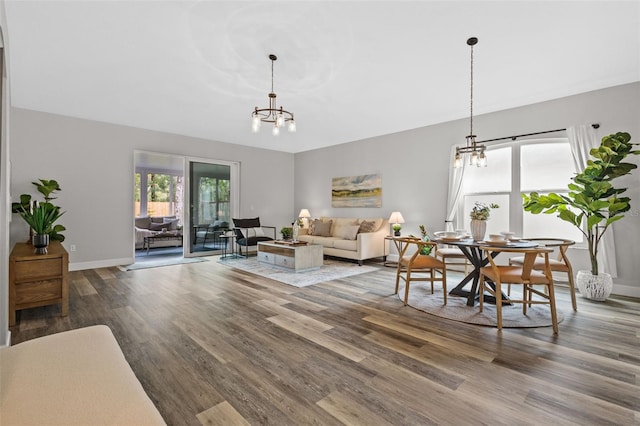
{"type": "Point", "coordinates": [273, 114]}
{"type": "Point", "coordinates": [477, 156]}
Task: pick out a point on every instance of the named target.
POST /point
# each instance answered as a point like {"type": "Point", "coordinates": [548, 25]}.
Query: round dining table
{"type": "Point", "coordinates": [472, 251]}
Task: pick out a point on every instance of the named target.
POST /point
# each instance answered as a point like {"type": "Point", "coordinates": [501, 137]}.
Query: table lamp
{"type": "Point", "coordinates": [304, 215]}
{"type": "Point", "coordinates": [395, 220]}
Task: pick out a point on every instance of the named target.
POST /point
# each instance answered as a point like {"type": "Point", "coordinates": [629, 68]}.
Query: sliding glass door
{"type": "Point", "coordinates": [213, 202]}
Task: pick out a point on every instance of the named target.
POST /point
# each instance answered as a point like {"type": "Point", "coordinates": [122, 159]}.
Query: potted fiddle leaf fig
{"type": "Point", "coordinates": [592, 205]}
{"type": "Point", "coordinates": [41, 216]}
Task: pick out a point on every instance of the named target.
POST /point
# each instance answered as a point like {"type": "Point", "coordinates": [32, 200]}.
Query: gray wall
{"type": "Point", "coordinates": [93, 162]}
{"type": "Point", "coordinates": [414, 165]}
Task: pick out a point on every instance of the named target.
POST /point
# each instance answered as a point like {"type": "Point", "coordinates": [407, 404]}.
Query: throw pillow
{"type": "Point", "coordinates": [171, 224]}
{"type": "Point", "coordinates": [350, 232]}
{"type": "Point", "coordinates": [158, 226]}
{"type": "Point", "coordinates": [367, 226]}
{"type": "Point", "coordinates": [322, 229]}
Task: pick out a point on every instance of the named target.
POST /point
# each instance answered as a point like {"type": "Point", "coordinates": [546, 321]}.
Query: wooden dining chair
{"type": "Point", "coordinates": [455, 254]}
{"type": "Point", "coordinates": [412, 266]}
{"type": "Point", "coordinates": [523, 274]}
{"type": "Point", "coordinates": [559, 264]}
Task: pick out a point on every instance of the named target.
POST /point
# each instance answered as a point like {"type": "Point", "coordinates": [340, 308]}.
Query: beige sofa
{"type": "Point", "coordinates": [149, 226]}
{"type": "Point", "coordinates": [78, 377]}
{"type": "Point", "coordinates": [350, 238]}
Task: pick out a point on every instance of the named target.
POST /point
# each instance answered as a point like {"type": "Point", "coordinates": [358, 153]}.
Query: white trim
{"type": "Point", "coordinates": [81, 266]}
{"type": "Point", "coordinates": [8, 342]}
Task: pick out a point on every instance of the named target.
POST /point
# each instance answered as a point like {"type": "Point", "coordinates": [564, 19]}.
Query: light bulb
{"type": "Point", "coordinates": [275, 131]}
{"type": "Point", "coordinates": [474, 159]}
{"type": "Point", "coordinates": [483, 160]}
{"type": "Point", "coordinates": [255, 123]}
{"type": "Point", "coordinates": [292, 126]}
{"type": "Point", "coordinates": [458, 161]}
{"type": "Point", "coordinates": [280, 120]}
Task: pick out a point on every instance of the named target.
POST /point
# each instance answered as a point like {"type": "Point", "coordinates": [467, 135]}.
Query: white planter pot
{"type": "Point", "coordinates": [478, 229]}
{"type": "Point", "coordinates": [594, 287]}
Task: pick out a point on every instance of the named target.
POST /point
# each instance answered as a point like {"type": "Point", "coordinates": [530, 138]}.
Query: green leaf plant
{"type": "Point", "coordinates": [41, 217]}
{"type": "Point", "coordinates": [592, 203]}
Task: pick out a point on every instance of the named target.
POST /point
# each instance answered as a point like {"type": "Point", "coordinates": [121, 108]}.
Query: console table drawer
{"type": "Point", "coordinates": [33, 269]}
{"type": "Point", "coordinates": [266, 257]}
{"type": "Point", "coordinates": [286, 261]}
{"type": "Point", "coordinates": [38, 291]}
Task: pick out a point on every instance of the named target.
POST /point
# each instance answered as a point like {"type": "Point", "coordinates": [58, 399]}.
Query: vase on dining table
{"type": "Point", "coordinates": [478, 229]}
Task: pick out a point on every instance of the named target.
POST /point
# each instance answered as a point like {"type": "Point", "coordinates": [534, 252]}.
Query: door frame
{"type": "Point", "coordinates": [234, 198]}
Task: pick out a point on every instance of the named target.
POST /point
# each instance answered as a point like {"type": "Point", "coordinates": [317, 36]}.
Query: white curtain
{"type": "Point", "coordinates": [582, 139]}
{"type": "Point", "coordinates": [454, 194]}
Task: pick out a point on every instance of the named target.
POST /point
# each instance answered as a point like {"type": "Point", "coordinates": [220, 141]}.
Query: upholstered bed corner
{"type": "Point", "coordinates": [77, 377]}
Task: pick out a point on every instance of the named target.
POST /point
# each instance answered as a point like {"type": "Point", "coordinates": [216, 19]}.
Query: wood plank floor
{"type": "Point", "coordinates": [217, 346]}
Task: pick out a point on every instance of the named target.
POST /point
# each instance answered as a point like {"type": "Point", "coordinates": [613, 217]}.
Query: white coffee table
{"type": "Point", "coordinates": [301, 257]}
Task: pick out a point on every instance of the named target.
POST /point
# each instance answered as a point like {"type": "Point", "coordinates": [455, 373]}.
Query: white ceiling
{"type": "Point", "coordinates": [347, 70]}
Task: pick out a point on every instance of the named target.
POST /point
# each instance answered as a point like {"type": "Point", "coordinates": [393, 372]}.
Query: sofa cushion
{"type": "Point", "coordinates": [247, 223]}
{"type": "Point", "coordinates": [367, 226]}
{"type": "Point", "coordinates": [322, 229]}
{"type": "Point", "coordinates": [143, 222]}
{"type": "Point", "coordinates": [340, 224]}
{"type": "Point", "coordinates": [350, 245]}
{"type": "Point", "coordinates": [377, 223]}
{"type": "Point", "coordinates": [349, 232]}
{"type": "Point", "coordinates": [324, 241]}
{"type": "Point", "coordinates": [160, 219]}
{"type": "Point", "coordinates": [171, 224]}
{"type": "Point", "coordinates": [158, 226]}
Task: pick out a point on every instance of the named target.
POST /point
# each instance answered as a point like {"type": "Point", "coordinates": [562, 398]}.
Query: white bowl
{"type": "Point", "coordinates": [508, 235]}
{"type": "Point", "coordinates": [496, 237]}
{"type": "Point", "coordinates": [449, 234]}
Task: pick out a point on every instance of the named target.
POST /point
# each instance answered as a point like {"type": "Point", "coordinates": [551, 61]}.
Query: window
{"type": "Point", "coordinates": [539, 165]}
{"type": "Point", "coordinates": [158, 194]}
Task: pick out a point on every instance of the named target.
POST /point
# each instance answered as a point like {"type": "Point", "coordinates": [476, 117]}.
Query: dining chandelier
{"type": "Point", "coordinates": [477, 156]}
{"type": "Point", "coordinates": [273, 114]}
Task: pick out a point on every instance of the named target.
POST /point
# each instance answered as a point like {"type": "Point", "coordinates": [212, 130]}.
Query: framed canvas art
{"type": "Point", "coordinates": [357, 191]}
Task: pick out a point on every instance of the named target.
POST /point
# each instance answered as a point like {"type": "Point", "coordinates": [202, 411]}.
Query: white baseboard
{"type": "Point", "coordinates": [8, 342]}
{"type": "Point", "coordinates": [81, 266]}
{"type": "Point", "coordinates": [626, 290]}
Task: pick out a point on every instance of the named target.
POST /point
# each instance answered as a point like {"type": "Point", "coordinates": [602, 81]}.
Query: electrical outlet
{"type": "Point", "coordinates": [72, 247]}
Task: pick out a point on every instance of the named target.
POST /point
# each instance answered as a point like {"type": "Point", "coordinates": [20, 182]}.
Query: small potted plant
{"type": "Point", "coordinates": [396, 229]}
{"type": "Point", "coordinates": [286, 232]}
{"type": "Point", "coordinates": [41, 217]}
{"type": "Point", "coordinates": [479, 216]}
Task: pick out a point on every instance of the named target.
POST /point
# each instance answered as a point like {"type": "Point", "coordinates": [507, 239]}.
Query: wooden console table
{"type": "Point", "coordinates": [38, 279]}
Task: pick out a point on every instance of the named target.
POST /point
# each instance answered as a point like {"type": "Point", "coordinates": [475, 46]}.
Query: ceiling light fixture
{"type": "Point", "coordinates": [477, 156]}
{"type": "Point", "coordinates": [273, 114]}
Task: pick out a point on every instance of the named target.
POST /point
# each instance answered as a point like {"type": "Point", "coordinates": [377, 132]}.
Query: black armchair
{"type": "Point", "coordinates": [249, 232]}
{"type": "Point", "coordinates": [210, 232]}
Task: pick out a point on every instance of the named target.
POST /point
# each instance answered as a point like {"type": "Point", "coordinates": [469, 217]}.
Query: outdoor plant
{"type": "Point", "coordinates": [41, 216]}
{"type": "Point", "coordinates": [482, 211]}
{"type": "Point", "coordinates": [592, 200]}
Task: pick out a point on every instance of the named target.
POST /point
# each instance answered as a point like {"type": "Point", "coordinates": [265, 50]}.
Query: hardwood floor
{"type": "Point", "coordinates": [213, 345]}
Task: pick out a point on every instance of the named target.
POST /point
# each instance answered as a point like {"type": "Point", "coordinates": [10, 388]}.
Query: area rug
{"type": "Point", "coordinates": [456, 309]}
{"type": "Point", "coordinates": [330, 270]}
{"type": "Point", "coordinates": [155, 263]}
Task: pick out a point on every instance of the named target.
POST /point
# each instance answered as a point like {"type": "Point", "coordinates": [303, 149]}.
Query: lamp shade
{"type": "Point", "coordinates": [304, 213]}
{"type": "Point", "coordinates": [396, 217]}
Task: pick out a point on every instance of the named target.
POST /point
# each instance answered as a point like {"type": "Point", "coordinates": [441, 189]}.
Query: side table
{"type": "Point", "coordinates": [38, 279]}
{"type": "Point", "coordinates": [229, 242]}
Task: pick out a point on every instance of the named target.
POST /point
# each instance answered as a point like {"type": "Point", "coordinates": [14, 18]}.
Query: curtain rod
{"type": "Point", "coordinates": [513, 138]}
